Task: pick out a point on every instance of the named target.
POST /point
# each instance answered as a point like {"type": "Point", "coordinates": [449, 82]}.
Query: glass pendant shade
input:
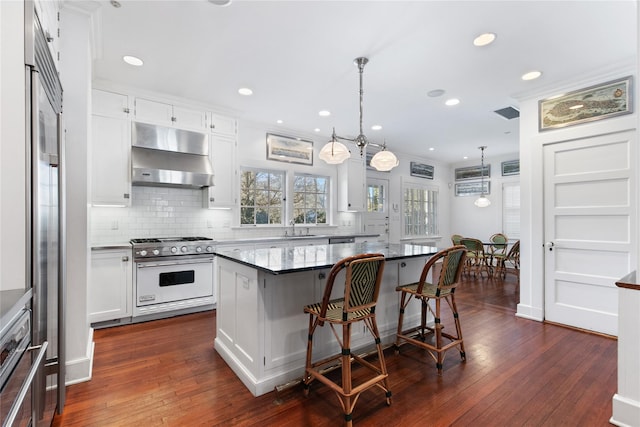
{"type": "Point", "coordinates": [334, 153]}
{"type": "Point", "coordinates": [384, 161]}
{"type": "Point", "coordinates": [482, 202]}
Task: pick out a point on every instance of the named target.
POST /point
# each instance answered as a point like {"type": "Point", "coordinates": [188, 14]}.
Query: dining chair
{"type": "Point", "coordinates": [450, 262]}
{"type": "Point", "coordinates": [512, 259]}
{"type": "Point", "coordinates": [497, 250]}
{"type": "Point", "coordinates": [477, 258]}
{"type": "Point", "coordinates": [456, 238]}
{"type": "Point", "coordinates": [363, 275]}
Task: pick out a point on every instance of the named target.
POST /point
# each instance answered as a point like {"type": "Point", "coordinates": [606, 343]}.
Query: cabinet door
{"type": "Point", "coordinates": [351, 185]}
{"type": "Point", "coordinates": [188, 118]}
{"type": "Point", "coordinates": [110, 158]}
{"type": "Point", "coordinates": [222, 152]}
{"type": "Point", "coordinates": [110, 289]}
{"type": "Point", "coordinates": [111, 104]}
{"type": "Point", "coordinates": [154, 112]}
{"type": "Point", "coordinates": [222, 124]}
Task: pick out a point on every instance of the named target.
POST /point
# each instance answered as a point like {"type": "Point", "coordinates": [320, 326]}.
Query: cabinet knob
{"type": "Point", "coordinates": [125, 258]}
{"type": "Point", "coordinates": [174, 119]}
{"type": "Point", "coordinates": [126, 195]}
{"type": "Point", "coordinates": [126, 110]}
{"type": "Point", "coordinates": [212, 199]}
{"type": "Point", "coordinates": [213, 126]}
{"type": "Point", "coordinates": [321, 276]}
{"type": "Point", "coordinates": [403, 264]}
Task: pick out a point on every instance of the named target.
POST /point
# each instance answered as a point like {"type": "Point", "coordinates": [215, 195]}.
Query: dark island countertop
{"type": "Point", "coordinates": [304, 258]}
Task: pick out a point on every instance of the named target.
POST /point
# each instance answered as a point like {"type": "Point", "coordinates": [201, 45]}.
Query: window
{"type": "Point", "coordinates": [420, 211]}
{"type": "Point", "coordinates": [511, 210]}
{"type": "Point", "coordinates": [261, 197]}
{"type": "Point", "coordinates": [375, 197]}
{"type": "Point", "coordinates": [310, 195]}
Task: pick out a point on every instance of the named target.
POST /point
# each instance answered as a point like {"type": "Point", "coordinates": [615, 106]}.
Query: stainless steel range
{"type": "Point", "coordinates": [172, 274]}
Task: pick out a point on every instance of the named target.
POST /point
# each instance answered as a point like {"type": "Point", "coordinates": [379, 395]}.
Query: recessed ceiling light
{"type": "Point", "coordinates": [431, 149]}
{"type": "Point", "coordinates": [316, 130]}
{"type": "Point", "coordinates": [484, 39]}
{"type": "Point", "coordinates": [132, 60]}
{"type": "Point", "coordinates": [435, 93]}
{"type": "Point", "coordinates": [452, 101]}
{"type": "Point", "coordinates": [531, 75]}
{"type": "Point", "coordinates": [245, 91]}
{"type": "Point", "coordinates": [324, 113]}
{"type": "Point", "coordinates": [279, 121]}
{"type": "Point", "coordinates": [376, 127]}
{"type": "Point", "coordinates": [465, 158]}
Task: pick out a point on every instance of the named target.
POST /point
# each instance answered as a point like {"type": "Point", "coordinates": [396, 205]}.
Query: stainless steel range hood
{"type": "Point", "coordinates": [162, 156]}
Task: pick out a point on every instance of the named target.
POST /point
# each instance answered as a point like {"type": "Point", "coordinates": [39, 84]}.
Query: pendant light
{"type": "Point", "coordinates": [384, 160]}
{"type": "Point", "coordinates": [482, 201]}
{"type": "Point", "coordinates": [334, 152]}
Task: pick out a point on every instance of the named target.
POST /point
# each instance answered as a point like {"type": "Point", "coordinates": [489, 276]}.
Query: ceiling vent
{"type": "Point", "coordinates": [508, 113]}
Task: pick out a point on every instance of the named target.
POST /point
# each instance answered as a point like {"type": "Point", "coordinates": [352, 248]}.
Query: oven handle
{"type": "Point", "coordinates": [166, 263]}
{"type": "Point", "coordinates": [17, 403]}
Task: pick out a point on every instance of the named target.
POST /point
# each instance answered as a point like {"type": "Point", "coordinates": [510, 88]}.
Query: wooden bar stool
{"type": "Point", "coordinates": [363, 274]}
{"type": "Point", "coordinates": [451, 262]}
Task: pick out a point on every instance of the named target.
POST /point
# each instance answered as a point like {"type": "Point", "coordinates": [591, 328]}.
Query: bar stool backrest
{"type": "Point", "coordinates": [452, 262]}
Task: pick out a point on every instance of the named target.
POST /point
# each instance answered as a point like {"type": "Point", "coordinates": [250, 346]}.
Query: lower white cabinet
{"type": "Point", "coordinates": [110, 289]}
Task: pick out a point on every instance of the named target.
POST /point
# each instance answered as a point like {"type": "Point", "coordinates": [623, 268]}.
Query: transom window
{"type": "Point", "coordinates": [310, 195]}
{"type": "Point", "coordinates": [420, 211]}
{"type": "Point", "coordinates": [261, 197]}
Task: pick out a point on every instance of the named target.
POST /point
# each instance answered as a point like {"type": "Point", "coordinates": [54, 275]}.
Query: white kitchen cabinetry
{"type": "Point", "coordinates": [169, 115]}
{"type": "Point", "coordinates": [110, 289]}
{"type": "Point", "coordinates": [351, 185]}
{"type": "Point", "coordinates": [110, 149]}
{"type": "Point", "coordinates": [222, 124]}
{"type": "Point", "coordinates": [222, 153]}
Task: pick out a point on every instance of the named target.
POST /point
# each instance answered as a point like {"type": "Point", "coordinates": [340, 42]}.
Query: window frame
{"type": "Point", "coordinates": [327, 196]}
{"type": "Point", "coordinates": [283, 198]}
{"type": "Point", "coordinates": [434, 215]}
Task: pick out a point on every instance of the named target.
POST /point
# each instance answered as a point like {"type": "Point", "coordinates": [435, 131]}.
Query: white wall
{"type": "Point", "coordinates": [481, 223]}
{"type": "Point", "coordinates": [75, 74]}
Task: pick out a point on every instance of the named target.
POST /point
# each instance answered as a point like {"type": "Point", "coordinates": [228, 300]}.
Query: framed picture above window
{"type": "Point", "coordinates": [421, 170]}
{"type": "Point", "coordinates": [472, 188]}
{"type": "Point", "coordinates": [511, 167]}
{"type": "Point", "coordinates": [472, 172]}
{"type": "Point", "coordinates": [290, 150]}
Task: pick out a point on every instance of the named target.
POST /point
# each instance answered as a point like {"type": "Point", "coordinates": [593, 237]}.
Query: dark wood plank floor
{"type": "Point", "coordinates": [518, 373]}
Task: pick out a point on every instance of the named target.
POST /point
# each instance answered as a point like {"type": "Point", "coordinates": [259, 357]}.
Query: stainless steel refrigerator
{"type": "Point", "coordinates": [47, 219]}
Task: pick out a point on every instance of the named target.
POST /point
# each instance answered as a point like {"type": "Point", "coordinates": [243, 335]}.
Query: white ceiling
{"type": "Point", "coordinates": [297, 56]}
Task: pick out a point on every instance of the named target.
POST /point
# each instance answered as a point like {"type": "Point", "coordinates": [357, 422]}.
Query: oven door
{"type": "Point", "coordinates": [165, 281]}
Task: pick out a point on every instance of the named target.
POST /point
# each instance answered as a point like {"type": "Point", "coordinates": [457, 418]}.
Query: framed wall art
{"type": "Point", "coordinates": [421, 170]}
{"type": "Point", "coordinates": [597, 102]}
{"type": "Point", "coordinates": [288, 149]}
{"type": "Point", "coordinates": [472, 188]}
{"type": "Point", "coordinates": [472, 172]}
{"type": "Point", "coordinates": [511, 167]}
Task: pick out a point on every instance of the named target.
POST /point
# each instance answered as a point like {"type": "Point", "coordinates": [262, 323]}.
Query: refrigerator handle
{"type": "Point", "coordinates": [62, 264]}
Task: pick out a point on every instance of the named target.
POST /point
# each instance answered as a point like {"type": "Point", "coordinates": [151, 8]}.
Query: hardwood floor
{"type": "Point", "coordinates": [518, 373]}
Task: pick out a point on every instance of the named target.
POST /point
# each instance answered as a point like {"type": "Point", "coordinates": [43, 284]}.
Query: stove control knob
{"type": "Point", "coordinates": [183, 249]}
{"type": "Point", "coordinates": [174, 249]}
{"type": "Point", "coordinates": [143, 253]}
{"type": "Point", "coordinates": [198, 249]}
{"type": "Point", "coordinates": [156, 252]}
{"type": "Point", "coordinates": [209, 249]}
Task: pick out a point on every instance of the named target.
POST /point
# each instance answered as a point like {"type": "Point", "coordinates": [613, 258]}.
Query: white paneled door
{"type": "Point", "coordinates": [590, 218]}
{"type": "Point", "coordinates": [376, 217]}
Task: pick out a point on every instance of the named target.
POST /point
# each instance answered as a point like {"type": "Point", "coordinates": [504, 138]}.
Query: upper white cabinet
{"type": "Point", "coordinates": [222, 152]}
{"type": "Point", "coordinates": [110, 149]}
{"type": "Point", "coordinates": [170, 115]}
{"type": "Point", "coordinates": [351, 184]}
{"type": "Point", "coordinates": [49, 15]}
{"type": "Point", "coordinates": [222, 124]}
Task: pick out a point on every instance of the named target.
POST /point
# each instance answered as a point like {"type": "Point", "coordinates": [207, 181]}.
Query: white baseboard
{"type": "Point", "coordinates": [80, 369]}
{"type": "Point", "coordinates": [529, 312]}
{"type": "Point", "coordinates": [626, 412]}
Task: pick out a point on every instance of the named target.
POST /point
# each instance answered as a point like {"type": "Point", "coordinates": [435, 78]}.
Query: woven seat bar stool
{"type": "Point", "coordinates": [363, 275]}
{"type": "Point", "coordinates": [451, 262]}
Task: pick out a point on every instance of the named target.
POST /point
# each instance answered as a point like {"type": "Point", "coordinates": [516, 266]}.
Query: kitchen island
{"type": "Point", "coordinates": [261, 327]}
